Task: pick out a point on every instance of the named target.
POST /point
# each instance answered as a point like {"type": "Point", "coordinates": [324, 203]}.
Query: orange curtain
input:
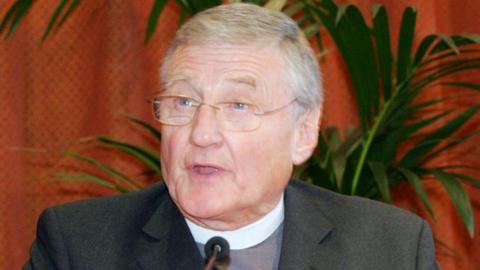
{"type": "Point", "coordinates": [96, 67]}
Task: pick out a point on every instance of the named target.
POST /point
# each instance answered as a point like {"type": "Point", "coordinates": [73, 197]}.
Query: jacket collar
{"type": "Point", "coordinates": [308, 237]}
{"type": "Point", "coordinates": [167, 242]}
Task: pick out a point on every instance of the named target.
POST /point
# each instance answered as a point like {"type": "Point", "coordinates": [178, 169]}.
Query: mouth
{"type": "Point", "coordinates": [205, 169]}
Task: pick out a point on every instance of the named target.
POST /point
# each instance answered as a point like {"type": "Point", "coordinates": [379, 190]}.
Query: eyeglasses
{"type": "Point", "coordinates": [232, 116]}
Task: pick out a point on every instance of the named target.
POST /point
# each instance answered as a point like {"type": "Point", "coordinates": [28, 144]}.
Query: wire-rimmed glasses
{"type": "Point", "coordinates": [231, 115]}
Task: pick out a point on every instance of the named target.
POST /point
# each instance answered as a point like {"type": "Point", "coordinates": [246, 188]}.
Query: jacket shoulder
{"type": "Point", "coordinates": [366, 234]}
{"type": "Point", "coordinates": [131, 210]}
{"type": "Point", "coordinates": [353, 215]}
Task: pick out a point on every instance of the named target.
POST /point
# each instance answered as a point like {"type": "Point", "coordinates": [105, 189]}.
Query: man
{"type": "Point", "coordinates": [240, 106]}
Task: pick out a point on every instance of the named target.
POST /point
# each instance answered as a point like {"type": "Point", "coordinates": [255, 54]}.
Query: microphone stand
{"type": "Point", "coordinates": [213, 258]}
{"type": "Point", "coordinates": [216, 249]}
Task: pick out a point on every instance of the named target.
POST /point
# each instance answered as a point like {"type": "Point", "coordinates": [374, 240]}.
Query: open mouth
{"type": "Point", "coordinates": [205, 170]}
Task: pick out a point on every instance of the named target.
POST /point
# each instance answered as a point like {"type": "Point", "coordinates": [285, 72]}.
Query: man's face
{"type": "Point", "coordinates": [225, 179]}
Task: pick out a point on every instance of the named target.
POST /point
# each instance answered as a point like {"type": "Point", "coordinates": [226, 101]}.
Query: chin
{"type": "Point", "coordinates": [202, 212]}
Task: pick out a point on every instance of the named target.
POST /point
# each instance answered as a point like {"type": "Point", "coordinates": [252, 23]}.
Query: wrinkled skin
{"type": "Point", "coordinates": [222, 179]}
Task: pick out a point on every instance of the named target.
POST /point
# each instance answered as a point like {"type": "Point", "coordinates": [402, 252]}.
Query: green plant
{"type": "Point", "coordinates": [65, 8]}
{"type": "Point", "coordinates": [113, 178]}
{"type": "Point", "coordinates": [367, 161]}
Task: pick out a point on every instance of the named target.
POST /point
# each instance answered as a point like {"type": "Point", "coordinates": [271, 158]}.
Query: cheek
{"type": "Point", "coordinates": [170, 153]}
{"type": "Point", "coordinates": [266, 160]}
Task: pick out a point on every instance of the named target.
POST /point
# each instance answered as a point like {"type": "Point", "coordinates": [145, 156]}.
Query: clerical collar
{"type": "Point", "coordinates": [247, 236]}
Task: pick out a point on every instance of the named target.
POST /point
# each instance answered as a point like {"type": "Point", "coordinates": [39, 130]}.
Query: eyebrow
{"type": "Point", "coordinates": [177, 78]}
{"type": "Point", "coordinates": [248, 80]}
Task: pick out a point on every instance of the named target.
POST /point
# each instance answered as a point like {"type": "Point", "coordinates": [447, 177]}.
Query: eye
{"type": "Point", "coordinates": [240, 106]}
{"type": "Point", "coordinates": [184, 101]}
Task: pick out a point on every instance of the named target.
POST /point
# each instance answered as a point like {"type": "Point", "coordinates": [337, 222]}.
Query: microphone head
{"type": "Point", "coordinates": [221, 244]}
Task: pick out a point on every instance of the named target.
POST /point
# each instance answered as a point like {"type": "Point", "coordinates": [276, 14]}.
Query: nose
{"type": "Point", "coordinates": [205, 129]}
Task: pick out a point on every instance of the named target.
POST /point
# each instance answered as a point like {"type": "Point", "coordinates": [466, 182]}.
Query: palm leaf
{"type": "Point", "coordinates": [15, 15]}
{"type": "Point", "coordinates": [448, 40]}
{"type": "Point", "coordinates": [157, 9]}
{"type": "Point", "coordinates": [103, 167]}
{"type": "Point", "coordinates": [467, 178]}
{"type": "Point", "coordinates": [364, 74]}
{"type": "Point", "coordinates": [312, 29]}
{"type": "Point", "coordinates": [184, 8]}
{"type": "Point", "coordinates": [293, 9]}
{"type": "Point", "coordinates": [435, 59]}
{"type": "Point", "coordinates": [459, 41]}
{"type": "Point", "coordinates": [416, 183]}
{"type": "Point", "coordinates": [256, 2]}
{"type": "Point", "coordinates": [352, 37]}
{"type": "Point", "coordinates": [423, 48]}
{"type": "Point", "coordinates": [195, 6]}
{"type": "Point", "coordinates": [73, 6]}
{"type": "Point", "coordinates": [380, 175]}
{"type": "Point", "coordinates": [54, 18]}
{"type": "Point", "coordinates": [155, 132]}
{"type": "Point", "coordinates": [459, 198]}
{"type": "Point", "coordinates": [450, 70]}
{"type": "Point", "coordinates": [381, 33]}
{"type": "Point", "coordinates": [149, 158]}
{"type": "Point", "coordinates": [317, 175]}
{"type": "Point", "coordinates": [385, 150]}
{"type": "Point", "coordinates": [439, 68]}
{"type": "Point", "coordinates": [405, 43]}
{"type": "Point", "coordinates": [415, 155]}
{"type": "Point", "coordinates": [9, 15]}
{"type": "Point", "coordinates": [471, 86]}
{"type": "Point", "coordinates": [452, 143]}
{"type": "Point", "coordinates": [275, 4]}
{"type": "Point", "coordinates": [85, 177]}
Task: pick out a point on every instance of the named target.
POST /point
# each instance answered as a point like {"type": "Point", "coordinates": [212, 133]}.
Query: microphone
{"type": "Point", "coordinates": [216, 249]}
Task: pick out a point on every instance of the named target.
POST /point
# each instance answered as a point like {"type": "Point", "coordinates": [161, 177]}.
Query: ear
{"type": "Point", "coordinates": [305, 136]}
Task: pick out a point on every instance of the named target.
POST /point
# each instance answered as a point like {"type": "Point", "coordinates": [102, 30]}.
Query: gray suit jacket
{"type": "Point", "coordinates": [145, 230]}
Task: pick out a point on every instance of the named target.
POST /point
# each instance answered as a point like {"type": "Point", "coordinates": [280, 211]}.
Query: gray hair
{"type": "Point", "coordinates": [247, 24]}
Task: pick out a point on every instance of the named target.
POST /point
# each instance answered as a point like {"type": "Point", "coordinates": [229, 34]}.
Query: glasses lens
{"type": "Point", "coordinates": [174, 110]}
{"type": "Point", "coordinates": [156, 108]}
{"type": "Point", "coordinates": [238, 116]}
{"type": "Point", "coordinates": [179, 110]}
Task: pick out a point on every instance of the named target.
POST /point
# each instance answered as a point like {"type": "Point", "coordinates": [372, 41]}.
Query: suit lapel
{"type": "Point", "coordinates": [309, 240]}
{"type": "Point", "coordinates": [167, 242]}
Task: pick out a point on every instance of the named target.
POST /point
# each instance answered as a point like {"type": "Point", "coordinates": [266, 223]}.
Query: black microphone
{"type": "Point", "coordinates": [216, 249]}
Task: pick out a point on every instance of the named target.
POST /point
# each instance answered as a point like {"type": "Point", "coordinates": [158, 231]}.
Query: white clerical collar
{"type": "Point", "coordinates": [247, 236]}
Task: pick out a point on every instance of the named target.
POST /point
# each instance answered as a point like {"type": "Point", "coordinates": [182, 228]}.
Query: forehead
{"type": "Point", "coordinates": [210, 66]}
{"type": "Point", "coordinates": [225, 55]}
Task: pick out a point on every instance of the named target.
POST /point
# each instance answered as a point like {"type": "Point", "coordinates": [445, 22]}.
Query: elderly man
{"type": "Point", "coordinates": [239, 108]}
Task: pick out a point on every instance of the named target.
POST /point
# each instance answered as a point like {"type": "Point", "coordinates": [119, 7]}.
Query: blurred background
{"type": "Point", "coordinates": [82, 80]}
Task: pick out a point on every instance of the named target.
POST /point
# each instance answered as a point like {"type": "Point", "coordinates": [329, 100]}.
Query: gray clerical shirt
{"type": "Point", "coordinates": [265, 255]}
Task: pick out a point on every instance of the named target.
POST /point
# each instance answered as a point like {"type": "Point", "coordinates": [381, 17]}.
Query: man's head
{"type": "Point", "coordinates": [240, 106]}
